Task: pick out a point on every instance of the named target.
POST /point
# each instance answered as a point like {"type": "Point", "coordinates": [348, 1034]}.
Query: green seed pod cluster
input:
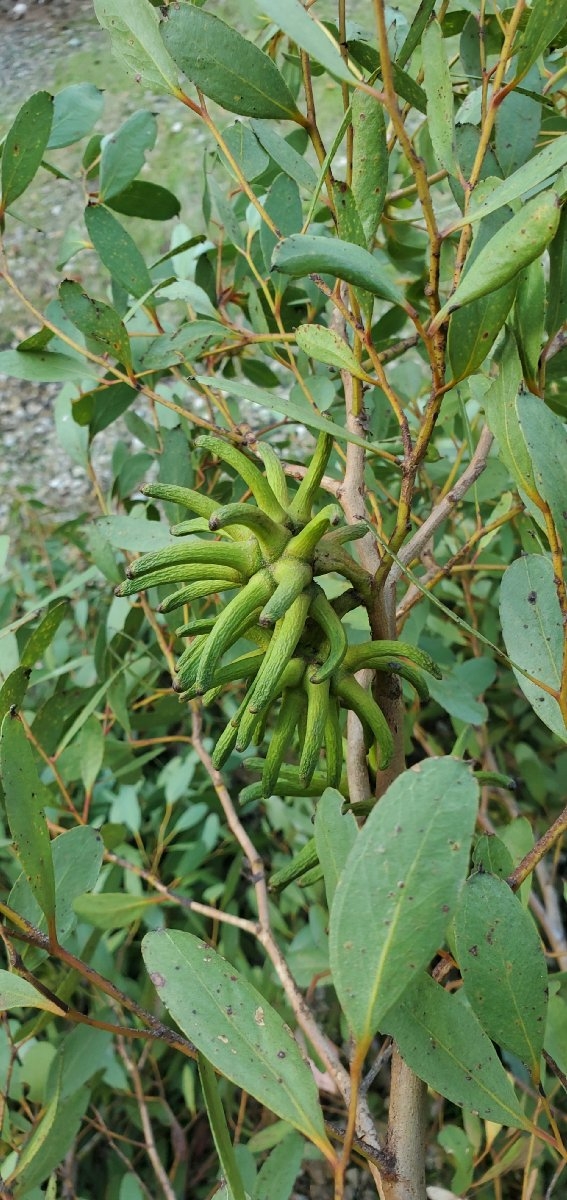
{"type": "Point", "coordinates": [302, 670]}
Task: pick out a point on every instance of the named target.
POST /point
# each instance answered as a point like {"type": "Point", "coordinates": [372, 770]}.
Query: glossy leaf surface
{"type": "Point", "coordinates": [137, 44]}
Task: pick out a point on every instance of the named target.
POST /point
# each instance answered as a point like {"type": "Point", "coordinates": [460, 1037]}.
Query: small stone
{"type": "Point", "coordinates": [19, 10]}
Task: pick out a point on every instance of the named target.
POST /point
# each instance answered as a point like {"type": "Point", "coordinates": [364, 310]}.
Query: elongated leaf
{"type": "Point", "coordinates": [147, 200]}
{"type": "Point", "coordinates": [219, 1130]}
{"type": "Point", "coordinates": [97, 321]}
{"type": "Point", "coordinates": [112, 910]}
{"type": "Point", "coordinates": [25, 797]}
{"type": "Point", "coordinates": [77, 858]}
{"type": "Point", "coordinates": [517, 124]}
{"type": "Point", "coordinates": [288, 408]}
{"type": "Point", "coordinates": [532, 176]}
{"type": "Point", "coordinates": [135, 533]}
{"type": "Point", "coordinates": [399, 888]}
{"type": "Point", "coordinates": [50, 1140]}
{"type": "Point", "coordinates": [76, 109]}
{"type": "Point", "coordinates": [324, 345]}
{"type": "Point", "coordinates": [225, 66]}
{"type": "Point", "coordinates": [440, 1039]}
{"type": "Point", "coordinates": [124, 152]}
{"type": "Point", "coordinates": [45, 367]}
{"type": "Point", "coordinates": [335, 835]}
{"type": "Point", "coordinates": [503, 967]}
{"type": "Point", "coordinates": [24, 147]}
{"type": "Point", "coordinates": [42, 637]}
{"type": "Point", "coordinates": [137, 44]}
{"type": "Point", "coordinates": [546, 19]}
{"type": "Point", "coordinates": [546, 441]}
{"type": "Point", "coordinates": [279, 1172]}
{"type": "Point", "coordinates": [474, 329]}
{"type": "Point", "coordinates": [307, 33]}
{"type": "Point", "coordinates": [439, 92]}
{"type": "Point", "coordinates": [370, 161]}
{"type": "Point", "coordinates": [415, 31]}
{"type": "Point", "coordinates": [528, 319]}
{"type": "Point", "coordinates": [524, 237]}
{"type": "Point", "coordinates": [557, 291]}
{"type": "Point", "coordinates": [532, 629]}
{"type": "Point", "coordinates": [502, 417]}
{"type": "Point", "coordinates": [234, 1027]}
{"type": "Point", "coordinates": [117, 250]}
{"type": "Point", "coordinates": [18, 993]}
{"type": "Point", "coordinates": [304, 254]}
{"type": "Point", "coordinates": [286, 157]}
{"type": "Point", "coordinates": [13, 690]}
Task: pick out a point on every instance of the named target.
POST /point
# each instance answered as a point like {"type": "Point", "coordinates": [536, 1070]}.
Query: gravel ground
{"type": "Point", "coordinates": [30, 455]}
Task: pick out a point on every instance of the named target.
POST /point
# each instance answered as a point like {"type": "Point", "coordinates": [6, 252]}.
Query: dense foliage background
{"type": "Point", "coordinates": [199, 290]}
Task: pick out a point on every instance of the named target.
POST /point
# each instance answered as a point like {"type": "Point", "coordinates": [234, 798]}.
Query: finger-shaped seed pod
{"type": "Point", "coordinates": [195, 591]}
{"type": "Point", "coordinates": [333, 744]}
{"type": "Point", "coordinates": [303, 545]}
{"type": "Point", "coordinates": [369, 654]}
{"type": "Point", "coordinates": [299, 865]}
{"type": "Point", "coordinates": [275, 473]}
{"type": "Point", "coordinates": [229, 622]}
{"type": "Point", "coordinates": [248, 471]}
{"type": "Point", "coordinates": [302, 503]}
{"type": "Point", "coordinates": [325, 616]}
{"type": "Point", "coordinates": [292, 578]}
{"type": "Point", "coordinates": [280, 651]}
{"type": "Point", "coordinates": [180, 573]}
{"type": "Point", "coordinates": [354, 696]}
{"type": "Point", "coordinates": [272, 538]}
{"type": "Point", "coordinates": [289, 715]}
{"type": "Point", "coordinates": [243, 557]}
{"type": "Point", "coordinates": [317, 713]}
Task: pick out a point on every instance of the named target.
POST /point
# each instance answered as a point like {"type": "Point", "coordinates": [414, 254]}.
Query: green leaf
{"type": "Point", "coordinates": [117, 251]}
{"type": "Point", "coordinates": [517, 125]}
{"type": "Point", "coordinates": [439, 92]}
{"type": "Point", "coordinates": [528, 319]}
{"type": "Point", "coordinates": [283, 205]}
{"type": "Point", "coordinates": [502, 417]}
{"type": "Point", "coordinates": [546, 19]}
{"type": "Point", "coordinates": [399, 888]}
{"type": "Point", "coordinates": [308, 33]}
{"type": "Point", "coordinates": [288, 408]}
{"type": "Point", "coordinates": [557, 291]}
{"type": "Point", "coordinates": [246, 150]}
{"type": "Point", "coordinates": [42, 637]}
{"type": "Point", "coordinates": [146, 200]}
{"type": "Point", "coordinates": [441, 1040]}
{"type": "Point", "coordinates": [124, 153]}
{"type": "Point", "coordinates": [532, 629]}
{"type": "Point", "coordinates": [76, 109]}
{"type": "Point", "coordinates": [13, 690]}
{"type": "Point", "coordinates": [18, 993]}
{"type": "Point", "coordinates": [534, 174]}
{"type": "Point", "coordinates": [24, 147]}
{"type": "Point", "coordinates": [77, 858]}
{"type": "Point", "coordinates": [235, 1028]}
{"type": "Point", "coordinates": [474, 329]}
{"type": "Point", "coordinates": [503, 967]}
{"type": "Point", "coordinates": [104, 405]}
{"type": "Point", "coordinates": [135, 533]}
{"type": "Point", "coordinates": [523, 238]}
{"type": "Point", "coordinates": [50, 1140]}
{"type": "Point", "coordinates": [92, 751]}
{"type": "Point", "coordinates": [370, 161]}
{"type": "Point", "coordinates": [136, 43]}
{"type": "Point", "coordinates": [279, 1172]}
{"type": "Point", "coordinates": [112, 910]}
{"type": "Point", "coordinates": [415, 31]}
{"type": "Point", "coordinates": [304, 254]}
{"type": "Point", "coordinates": [546, 442]}
{"type": "Point", "coordinates": [46, 367]}
{"type": "Point", "coordinates": [335, 835]}
{"type": "Point", "coordinates": [284, 155]}
{"type": "Point", "coordinates": [324, 345]}
{"type": "Point", "coordinates": [225, 66]}
{"type": "Point", "coordinates": [25, 797]}
{"type": "Point", "coordinates": [97, 321]}
{"type": "Point", "coordinates": [219, 1130]}
{"type": "Point", "coordinates": [491, 854]}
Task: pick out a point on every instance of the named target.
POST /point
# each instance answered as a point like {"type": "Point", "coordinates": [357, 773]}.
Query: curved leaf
{"type": "Point", "coordinates": [25, 797]}
{"type": "Point", "coordinates": [225, 66]}
{"type": "Point", "coordinates": [439, 92]}
{"type": "Point", "coordinates": [234, 1027]}
{"type": "Point", "coordinates": [124, 153]}
{"type": "Point", "coordinates": [440, 1039]}
{"type": "Point", "coordinates": [23, 147]}
{"type": "Point", "coordinates": [137, 44]}
{"type": "Point", "coordinates": [503, 967]}
{"type": "Point", "coordinates": [75, 110]}
{"type": "Point", "coordinates": [546, 441]}
{"type": "Point", "coordinates": [324, 345]}
{"type": "Point", "coordinates": [304, 254]}
{"type": "Point", "coordinates": [117, 251]}
{"type": "Point", "coordinates": [18, 993]}
{"type": "Point", "coordinates": [399, 887]}
{"type": "Point", "coordinates": [532, 629]}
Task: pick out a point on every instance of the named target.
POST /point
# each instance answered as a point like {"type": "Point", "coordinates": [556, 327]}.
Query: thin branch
{"type": "Point", "coordinates": [439, 514]}
{"type": "Point", "coordinates": [537, 852]}
{"type": "Point", "coordinates": [151, 1148]}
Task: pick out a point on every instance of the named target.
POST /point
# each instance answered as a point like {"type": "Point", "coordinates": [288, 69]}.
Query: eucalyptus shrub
{"type": "Point", "coordinates": [337, 551]}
